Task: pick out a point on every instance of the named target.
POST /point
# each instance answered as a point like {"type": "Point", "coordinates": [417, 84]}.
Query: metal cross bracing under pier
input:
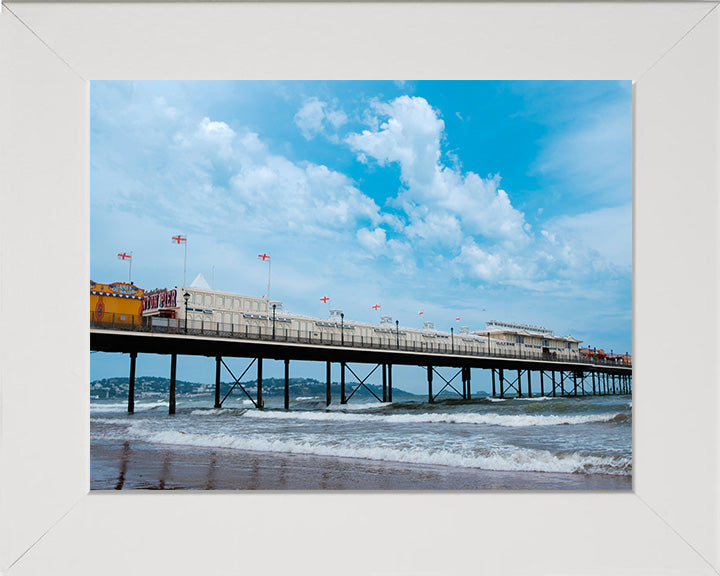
{"type": "Point", "coordinates": [386, 384]}
{"type": "Point", "coordinates": [219, 361]}
{"type": "Point", "coordinates": [464, 371]}
{"type": "Point", "coordinates": [507, 374]}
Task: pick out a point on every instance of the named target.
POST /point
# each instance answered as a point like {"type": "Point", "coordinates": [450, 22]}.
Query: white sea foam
{"type": "Point", "coordinates": [509, 459]}
{"type": "Point", "coordinates": [301, 398]}
{"type": "Point", "coordinates": [356, 406]}
{"type": "Point", "coordinates": [512, 420]}
{"type": "Point", "coordinates": [122, 407]}
{"type": "Point", "coordinates": [217, 411]}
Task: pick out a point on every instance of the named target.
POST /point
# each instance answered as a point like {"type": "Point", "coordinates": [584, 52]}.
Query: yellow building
{"type": "Point", "coordinates": [117, 303]}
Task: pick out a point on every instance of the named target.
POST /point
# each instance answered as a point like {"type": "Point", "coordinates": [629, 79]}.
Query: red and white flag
{"type": "Point", "coordinates": [324, 299]}
{"type": "Point", "coordinates": [179, 239]}
{"type": "Point", "coordinates": [264, 256]}
{"type": "Point", "coordinates": [420, 313]}
{"type": "Point", "coordinates": [124, 256]}
{"type": "Point", "coordinates": [458, 318]}
{"type": "Point", "coordinates": [376, 307]}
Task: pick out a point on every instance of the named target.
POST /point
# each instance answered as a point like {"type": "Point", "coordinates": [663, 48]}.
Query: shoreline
{"type": "Point", "coordinates": [137, 465]}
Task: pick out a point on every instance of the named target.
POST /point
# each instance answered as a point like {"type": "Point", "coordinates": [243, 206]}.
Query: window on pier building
{"type": "Point", "coordinates": [519, 339]}
{"type": "Point", "coordinates": [546, 343]}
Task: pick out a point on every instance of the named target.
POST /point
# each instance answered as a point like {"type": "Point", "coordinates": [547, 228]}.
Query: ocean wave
{"type": "Point", "coordinates": [218, 411]}
{"type": "Point", "coordinates": [356, 407]}
{"type": "Point", "coordinates": [508, 459]}
{"type": "Point", "coordinates": [511, 420]}
{"type": "Point", "coordinates": [122, 407]}
{"type": "Point", "coordinates": [621, 418]}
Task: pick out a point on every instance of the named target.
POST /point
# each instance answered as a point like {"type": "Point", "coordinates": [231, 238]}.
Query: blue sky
{"type": "Point", "coordinates": [479, 200]}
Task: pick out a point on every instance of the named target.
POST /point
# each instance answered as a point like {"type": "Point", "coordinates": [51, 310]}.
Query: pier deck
{"type": "Point", "coordinates": [566, 376]}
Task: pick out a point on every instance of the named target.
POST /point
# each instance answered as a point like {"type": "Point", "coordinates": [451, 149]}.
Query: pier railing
{"type": "Point", "coordinates": [452, 344]}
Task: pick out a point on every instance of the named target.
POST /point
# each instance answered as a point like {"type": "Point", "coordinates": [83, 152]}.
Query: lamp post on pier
{"type": "Point", "coordinates": [397, 334]}
{"type": "Point", "coordinates": [342, 329]}
{"type": "Point", "coordinates": [452, 340]}
{"type": "Point", "coordinates": [186, 297]}
{"type": "Point", "coordinates": [273, 333]}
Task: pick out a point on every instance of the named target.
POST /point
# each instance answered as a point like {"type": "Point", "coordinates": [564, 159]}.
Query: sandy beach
{"type": "Point", "coordinates": [118, 465]}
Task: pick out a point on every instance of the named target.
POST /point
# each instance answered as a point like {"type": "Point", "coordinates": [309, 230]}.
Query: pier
{"type": "Point", "coordinates": [512, 375]}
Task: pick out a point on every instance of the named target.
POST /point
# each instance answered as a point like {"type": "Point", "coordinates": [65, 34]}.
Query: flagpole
{"type": "Point", "coordinates": [269, 269]}
{"type": "Point", "coordinates": [185, 265]}
{"type": "Point", "coordinates": [130, 273]}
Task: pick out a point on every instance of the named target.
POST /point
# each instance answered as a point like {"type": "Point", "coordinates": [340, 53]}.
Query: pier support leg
{"type": "Point", "coordinates": [287, 384]}
{"type": "Point", "coordinates": [542, 383]}
{"type": "Point", "coordinates": [430, 378]}
{"type": "Point", "coordinates": [131, 384]}
{"type": "Point", "coordinates": [529, 384]}
{"type": "Point", "coordinates": [502, 384]}
{"type": "Point", "coordinates": [593, 381]}
{"type": "Point", "coordinates": [173, 373]}
{"type": "Point", "coordinates": [467, 378]}
{"type": "Point", "coordinates": [218, 361]}
{"type": "Point", "coordinates": [492, 370]}
{"type": "Point", "coordinates": [519, 385]}
{"type": "Point", "coordinates": [553, 383]}
{"type": "Point", "coordinates": [574, 383]}
{"type": "Point", "coordinates": [343, 400]}
{"type": "Point", "coordinates": [389, 382]}
{"type": "Point", "coordinates": [562, 383]}
{"type": "Point", "coordinates": [260, 403]}
{"type": "Point", "coordinates": [328, 394]}
{"type": "Point", "coordinates": [384, 380]}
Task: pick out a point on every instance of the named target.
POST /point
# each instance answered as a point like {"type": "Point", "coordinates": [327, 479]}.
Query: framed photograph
{"type": "Point", "coordinates": [668, 524]}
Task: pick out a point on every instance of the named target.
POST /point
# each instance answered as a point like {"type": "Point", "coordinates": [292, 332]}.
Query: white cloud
{"type": "Point", "coordinates": [490, 267]}
{"type": "Point", "coordinates": [309, 198]}
{"type": "Point", "coordinates": [316, 117]}
{"type": "Point", "coordinates": [607, 232]}
{"type": "Point", "coordinates": [218, 134]}
{"type": "Point", "coordinates": [441, 202]}
{"type": "Point", "coordinates": [373, 241]}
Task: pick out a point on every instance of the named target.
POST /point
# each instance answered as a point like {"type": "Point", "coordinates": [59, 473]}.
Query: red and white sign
{"type": "Point", "coordinates": [163, 299]}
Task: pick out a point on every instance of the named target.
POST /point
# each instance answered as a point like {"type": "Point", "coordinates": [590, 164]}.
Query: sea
{"type": "Point", "coordinates": [540, 443]}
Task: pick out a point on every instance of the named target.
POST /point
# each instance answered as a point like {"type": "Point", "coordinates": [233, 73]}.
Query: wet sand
{"type": "Point", "coordinates": [138, 465]}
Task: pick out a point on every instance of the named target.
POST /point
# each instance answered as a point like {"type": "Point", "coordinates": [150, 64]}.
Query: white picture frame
{"type": "Point", "coordinates": [49, 522]}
